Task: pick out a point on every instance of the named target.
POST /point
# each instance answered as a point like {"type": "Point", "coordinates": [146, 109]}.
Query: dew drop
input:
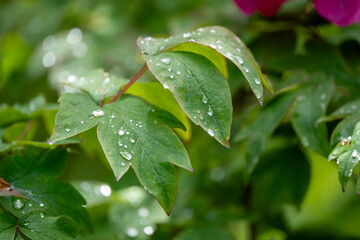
{"type": "Point", "coordinates": [41, 205]}
{"type": "Point", "coordinates": [41, 215]}
{"type": "Point", "coordinates": [49, 59]}
{"type": "Point", "coordinates": [323, 96]}
{"type": "Point", "coordinates": [165, 85]}
{"type": "Point", "coordinates": [165, 60]}
{"type": "Point", "coordinates": [210, 111]}
{"type": "Point", "coordinates": [354, 153]}
{"type": "Point", "coordinates": [257, 93]}
{"type": "Point", "coordinates": [121, 132]}
{"type": "Point", "coordinates": [213, 31]}
{"type": "Point", "coordinates": [178, 72]}
{"type": "Point", "coordinates": [148, 230]}
{"type": "Point", "coordinates": [212, 46]}
{"type": "Point", "coordinates": [350, 172]}
{"type": "Point", "coordinates": [204, 99]}
{"type": "Point", "coordinates": [132, 140]}
{"type": "Point", "coordinates": [132, 232]}
{"type": "Point", "coordinates": [72, 78]}
{"type": "Point", "coordinates": [257, 81]}
{"type": "Point", "coordinates": [126, 155]}
{"type": "Point", "coordinates": [246, 69]}
{"type": "Point", "coordinates": [210, 132]}
{"type": "Point", "coordinates": [107, 80]}
{"type": "Point", "coordinates": [18, 204]}
{"type": "Point", "coordinates": [74, 36]}
{"type": "Point", "coordinates": [98, 113]}
{"type": "Point", "coordinates": [186, 35]}
{"type": "Point", "coordinates": [240, 60]}
{"type": "Point", "coordinates": [122, 164]}
{"type": "Point", "coordinates": [238, 49]}
{"type": "Point", "coordinates": [67, 129]}
{"type": "Point", "coordinates": [171, 76]}
{"type": "Point", "coordinates": [169, 69]}
{"type": "Point", "coordinates": [82, 122]}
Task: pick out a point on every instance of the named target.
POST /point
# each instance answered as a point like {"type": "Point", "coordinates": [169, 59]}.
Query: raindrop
{"type": "Point", "coordinates": [41, 215]}
{"type": "Point", "coordinates": [67, 129]}
{"type": "Point", "coordinates": [354, 153]}
{"type": "Point", "coordinates": [148, 230]}
{"type": "Point", "coordinates": [246, 69]}
{"type": "Point", "coordinates": [126, 155]}
{"type": "Point", "coordinates": [213, 31]}
{"type": "Point", "coordinates": [240, 60]}
{"type": "Point", "coordinates": [41, 205]}
{"type": "Point", "coordinates": [121, 132]}
{"type": "Point", "coordinates": [204, 99]}
{"type": "Point", "coordinates": [166, 60]}
{"type": "Point", "coordinates": [171, 76]}
{"type": "Point", "coordinates": [49, 43]}
{"type": "Point", "coordinates": [350, 172]}
{"type": "Point", "coordinates": [122, 164]}
{"type": "Point", "coordinates": [132, 140]}
{"type": "Point", "coordinates": [238, 49]}
{"type": "Point", "coordinates": [165, 85]}
{"type": "Point", "coordinates": [220, 47]}
{"type": "Point", "coordinates": [169, 69]}
{"type": "Point", "coordinates": [112, 116]}
{"type": "Point", "coordinates": [26, 224]}
{"type": "Point", "coordinates": [98, 113]}
{"type": "Point", "coordinates": [107, 80]}
{"type": "Point", "coordinates": [49, 59]}
{"type": "Point", "coordinates": [323, 96]}
{"type": "Point", "coordinates": [142, 42]}
{"type": "Point", "coordinates": [210, 132]}
{"type": "Point", "coordinates": [257, 93]}
{"type": "Point", "coordinates": [18, 204]}
{"type": "Point", "coordinates": [178, 72]}
{"type": "Point", "coordinates": [74, 36]}
{"type": "Point", "coordinates": [257, 81]}
{"type": "Point", "coordinates": [186, 35]}
{"type": "Point", "coordinates": [80, 50]}
{"type": "Point", "coordinates": [72, 78]}
{"type": "Point", "coordinates": [210, 111]}
{"type": "Point", "coordinates": [82, 122]}
{"type": "Point", "coordinates": [212, 46]}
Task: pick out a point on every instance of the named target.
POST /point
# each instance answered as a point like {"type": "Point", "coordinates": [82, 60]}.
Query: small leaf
{"type": "Point", "coordinates": [347, 153]}
{"type": "Point", "coordinates": [199, 88]}
{"type": "Point", "coordinates": [220, 39]}
{"type": "Point", "coordinates": [7, 225]}
{"type": "Point", "coordinates": [309, 107]}
{"type": "Point", "coordinates": [350, 108]}
{"type": "Point", "coordinates": [343, 131]}
{"type": "Point", "coordinates": [97, 83]}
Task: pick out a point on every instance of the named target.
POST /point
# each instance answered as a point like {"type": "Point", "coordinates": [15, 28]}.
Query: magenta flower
{"type": "Point", "coordinates": [340, 12]}
{"type": "Point", "coordinates": [266, 7]}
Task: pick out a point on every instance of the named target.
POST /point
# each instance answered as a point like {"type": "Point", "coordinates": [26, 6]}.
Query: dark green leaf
{"type": "Point", "coordinates": [131, 133]}
{"type": "Point", "coordinates": [260, 129]}
{"type": "Point", "coordinates": [37, 225]}
{"type": "Point", "coordinates": [220, 39]}
{"type": "Point", "coordinates": [199, 88]}
{"type": "Point", "coordinates": [344, 130]}
{"type": "Point", "coordinates": [350, 108]}
{"type": "Point", "coordinates": [32, 174]}
{"type": "Point", "coordinates": [7, 225]}
{"type": "Point", "coordinates": [309, 107]}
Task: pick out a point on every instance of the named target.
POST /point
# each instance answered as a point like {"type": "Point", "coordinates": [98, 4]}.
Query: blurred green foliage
{"type": "Point", "coordinates": [270, 185]}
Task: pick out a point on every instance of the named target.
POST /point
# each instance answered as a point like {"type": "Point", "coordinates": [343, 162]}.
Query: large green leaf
{"type": "Point", "coordinates": [220, 39]}
{"type": "Point", "coordinates": [32, 174]}
{"type": "Point", "coordinates": [132, 133]}
{"type": "Point", "coordinates": [309, 107]}
{"type": "Point", "coordinates": [347, 155]}
{"type": "Point", "coordinates": [350, 108]}
{"type": "Point", "coordinates": [199, 88]}
{"type": "Point", "coordinates": [260, 129]}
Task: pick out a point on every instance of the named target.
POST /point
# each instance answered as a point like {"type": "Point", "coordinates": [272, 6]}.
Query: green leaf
{"type": "Point", "coordinates": [155, 93]}
{"type": "Point", "coordinates": [32, 174]}
{"type": "Point", "coordinates": [260, 129]}
{"type": "Point", "coordinates": [200, 89]}
{"type": "Point", "coordinates": [97, 83]}
{"type": "Point", "coordinates": [220, 39]}
{"type": "Point", "coordinates": [209, 232]}
{"type": "Point", "coordinates": [131, 133]}
{"type": "Point", "coordinates": [309, 107]}
{"type": "Point", "coordinates": [344, 130]}
{"type": "Point", "coordinates": [347, 153]}
{"type": "Point", "coordinates": [37, 225]}
{"type": "Point", "coordinates": [7, 225]}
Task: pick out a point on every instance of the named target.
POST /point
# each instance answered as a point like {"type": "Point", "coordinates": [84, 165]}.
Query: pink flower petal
{"type": "Point", "coordinates": [340, 12]}
{"type": "Point", "coordinates": [265, 7]}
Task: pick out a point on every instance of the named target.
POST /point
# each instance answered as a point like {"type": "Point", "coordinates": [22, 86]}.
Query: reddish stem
{"type": "Point", "coordinates": [131, 82]}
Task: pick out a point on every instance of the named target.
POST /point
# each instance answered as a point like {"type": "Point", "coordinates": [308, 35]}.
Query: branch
{"type": "Point", "coordinates": [136, 77]}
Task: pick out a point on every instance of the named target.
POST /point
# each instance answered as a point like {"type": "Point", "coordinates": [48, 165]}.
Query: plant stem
{"type": "Point", "coordinates": [26, 130]}
{"type": "Point", "coordinates": [122, 90]}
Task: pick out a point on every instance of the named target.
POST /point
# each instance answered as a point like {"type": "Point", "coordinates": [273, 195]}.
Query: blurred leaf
{"type": "Point", "coordinates": [309, 107]}
{"type": "Point", "coordinates": [220, 39]}
{"type": "Point", "coordinates": [141, 139]}
{"type": "Point", "coordinates": [204, 96]}
{"type": "Point", "coordinates": [260, 129]}
{"type": "Point", "coordinates": [97, 83]}
{"type": "Point", "coordinates": [350, 108]}
{"type": "Point", "coordinates": [155, 93]}
{"type": "Point", "coordinates": [6, 190]}
{"type": "Point", "coordinates": [209, 233]}
{"type": "Point", "coordinates": [32, 173]}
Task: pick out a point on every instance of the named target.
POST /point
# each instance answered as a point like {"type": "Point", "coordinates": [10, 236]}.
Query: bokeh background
{"type": "Point", "coordinates": [293, 193]}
